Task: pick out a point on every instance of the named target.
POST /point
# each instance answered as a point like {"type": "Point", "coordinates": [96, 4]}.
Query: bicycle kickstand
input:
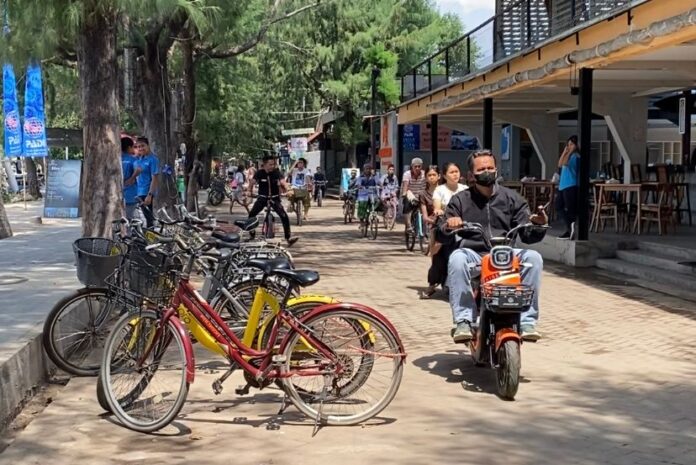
{"type": "Point", "coordinates": [322, 398]}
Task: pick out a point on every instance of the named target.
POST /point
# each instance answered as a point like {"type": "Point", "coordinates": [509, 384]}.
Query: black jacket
{"type": "Point", "coordinates": [498, 214]}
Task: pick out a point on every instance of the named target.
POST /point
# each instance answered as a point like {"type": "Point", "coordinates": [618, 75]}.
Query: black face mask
{"type": "Point", "coordinates": [487, 178]}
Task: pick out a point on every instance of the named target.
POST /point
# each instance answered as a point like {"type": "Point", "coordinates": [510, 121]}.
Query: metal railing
{"type": "Point", "coordinates": [518, 27]}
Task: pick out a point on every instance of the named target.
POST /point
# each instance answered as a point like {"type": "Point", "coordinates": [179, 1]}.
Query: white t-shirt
{"type": "Point", "coordinates": [444, 195]}
{"type": "Point", "coordinates": [301, 177]}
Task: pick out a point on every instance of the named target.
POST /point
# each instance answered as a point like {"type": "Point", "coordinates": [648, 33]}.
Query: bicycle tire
{"type": "Point", "coordinates": [394, 366]}
{"type": "Point", "coordinates": [410, 240]}
{"type": "Point", "coordinates": [121, 405]}
{"type": "Point", "coordinates": [269, 229]}
{"type": "Point", "coordinates": [52, 337]}
{"type": "Point", "coordinates": [215, 198]}
{"type": "Point", "coordinates": [244, 292]}
{"type": "Point", "coordinates": [374, 227]}
{"type": "Point", "coordinates": [298, 211]}
{"type": "Point", "coordinates": [424, 244]}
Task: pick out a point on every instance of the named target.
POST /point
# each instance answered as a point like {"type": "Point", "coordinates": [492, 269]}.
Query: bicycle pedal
{"type": "Point", "coordinates": [242, 390]}
{"type": "Point", "coordinates": [273, 426]}
{"type": "Point", "coordinates": [278, 359]}
{"type": "Point", "coordinates": [217, 387]}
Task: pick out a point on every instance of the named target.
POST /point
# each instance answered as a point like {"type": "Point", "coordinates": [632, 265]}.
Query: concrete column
{"type": "Point", "coordinates": [585, 140]}
{"type": "Point", "coordinates": [488, 123]}
{"type": "Point", "coordinates": [543, 131]}
{"type": "Point", "coordinates": [399, 150]}
{"type": "Point", "coordinates": [627, 119]}
{"type": "Point", "coordinates": [434, 131]}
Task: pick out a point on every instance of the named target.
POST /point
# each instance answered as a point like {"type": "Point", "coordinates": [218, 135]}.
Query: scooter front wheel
{"type": "Point", "coordinates": [508, 370]}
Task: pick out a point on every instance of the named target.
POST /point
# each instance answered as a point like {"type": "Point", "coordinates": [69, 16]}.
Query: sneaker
{"type": "Point", "coordinates": [462, 334]}
{"type": "Point", "coordinates": [291, 240]}
{"type": "Point", "coordinates": [565, 235]}
{"type": "Point", "coordinates": [530, 333]}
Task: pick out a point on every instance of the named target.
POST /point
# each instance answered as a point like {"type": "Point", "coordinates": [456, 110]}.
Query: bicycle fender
{"type": "Point", "coordinates": [170, 316]}
{"type": "Point", "coordinates": [351, 306]}
{"type": "Point", "coordinates": [506, 334]}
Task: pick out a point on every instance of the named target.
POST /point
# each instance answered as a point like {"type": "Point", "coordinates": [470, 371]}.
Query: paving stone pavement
{"type": "Point", "coordinates": [611, 383]}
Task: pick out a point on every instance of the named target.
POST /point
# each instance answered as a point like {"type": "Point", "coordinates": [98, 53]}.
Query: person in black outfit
{"type": "Point", "coordinates": [270, 182]}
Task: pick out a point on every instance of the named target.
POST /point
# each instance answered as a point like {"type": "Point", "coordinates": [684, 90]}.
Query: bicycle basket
{"type": "Point", "coordinates": [153, 282]}
{"type": "Point", "coordinates": [96, 258]}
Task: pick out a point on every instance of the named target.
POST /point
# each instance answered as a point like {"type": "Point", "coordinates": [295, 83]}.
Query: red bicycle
{"type": "Point", "coordinates": [340, 364]}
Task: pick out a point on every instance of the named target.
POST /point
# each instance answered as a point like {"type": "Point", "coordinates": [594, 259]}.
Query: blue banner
{"type": "Point", "coordinates": [10, 111]}
{"type": "Point", "coordinates": [34, 118]}
{"type": "Point", "coordinates": [412, 137]}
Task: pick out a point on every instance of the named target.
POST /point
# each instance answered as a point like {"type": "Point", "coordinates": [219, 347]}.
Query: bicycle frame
{"type": "Point", "coordinates": [212, 332]}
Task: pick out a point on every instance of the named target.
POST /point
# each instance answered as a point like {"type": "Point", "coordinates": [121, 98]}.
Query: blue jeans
{"type": "Point", "coordinates": [464, 263]}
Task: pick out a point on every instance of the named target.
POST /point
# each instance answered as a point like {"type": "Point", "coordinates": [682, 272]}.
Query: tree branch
{"type": "Point", "coordinates": [210, 52]}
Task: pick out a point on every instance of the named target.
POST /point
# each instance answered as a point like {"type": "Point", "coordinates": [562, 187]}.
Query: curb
{"type": "Point", "coordinates": [20, 376]}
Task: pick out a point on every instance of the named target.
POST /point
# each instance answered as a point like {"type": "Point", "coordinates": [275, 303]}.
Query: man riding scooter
{"type": "Point", "coordinates": [498, 209]}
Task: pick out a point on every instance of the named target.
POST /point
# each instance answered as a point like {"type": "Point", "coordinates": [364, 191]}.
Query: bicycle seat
{"type": "Point", "coordinates": [248, 224]}
{"type": "Point", "coordinates": [226, 237]}
{"type": "Point", "coordinates": [302, 278]}
{"type": "Point", "coordinates": [271, 265]}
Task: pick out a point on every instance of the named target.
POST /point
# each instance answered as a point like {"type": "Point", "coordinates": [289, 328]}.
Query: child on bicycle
{"type": "Point", "coordinates": [367, 188]}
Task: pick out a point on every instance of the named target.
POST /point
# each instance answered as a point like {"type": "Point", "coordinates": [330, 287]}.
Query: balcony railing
{"type": "Point", "coordinates": [518, 27]}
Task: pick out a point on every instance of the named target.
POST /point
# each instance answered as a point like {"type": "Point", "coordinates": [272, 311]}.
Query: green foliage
{"type": "Point", "coordinates": [321, 58]}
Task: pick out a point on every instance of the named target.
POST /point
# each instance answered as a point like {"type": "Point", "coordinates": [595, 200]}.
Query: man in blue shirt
{"type": "Point", "coordinates": [130, 174]}
{"type": "Point", "coordinates": [147, 180]}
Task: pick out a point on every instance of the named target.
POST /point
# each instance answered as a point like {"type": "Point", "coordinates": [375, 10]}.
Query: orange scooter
{"type": "Point", "coordinates": [501, 298]}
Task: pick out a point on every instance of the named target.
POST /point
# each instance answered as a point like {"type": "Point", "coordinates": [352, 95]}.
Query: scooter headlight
{"type": "Point", "coordinates": [501, 257]}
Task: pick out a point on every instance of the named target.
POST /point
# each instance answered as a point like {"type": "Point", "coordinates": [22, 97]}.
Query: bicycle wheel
{"type": "Point", "coordinates": [215, 198]}
{"type": "Point", "coordinates": [145, 395]}
{"type": "Point", "coordinates": [76, 328]}
{"type": "Point", "coordinates": [410, 236]}
{"type": "Point", "coordinates": [268, 227]}
{"type": "Point", "coordinates": [298, 212]}
{"type": "Point", "coordinates": [236, 312]}
{"type": "Point", "coordinates": [424, 242]}
{"type": "Point", "coordinates": [368, 379]}
{"type": "Point", "coordinates": [374, 226]}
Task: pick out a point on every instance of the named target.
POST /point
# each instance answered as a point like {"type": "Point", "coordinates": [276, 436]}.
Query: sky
{"type": "Point", "coordinates": [471, 12]}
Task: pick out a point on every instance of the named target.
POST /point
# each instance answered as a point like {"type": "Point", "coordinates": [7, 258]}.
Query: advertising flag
{"type": "Point", "coordinates": [10, 112]}
{"type": "Point", "coordinates": [34, 117]}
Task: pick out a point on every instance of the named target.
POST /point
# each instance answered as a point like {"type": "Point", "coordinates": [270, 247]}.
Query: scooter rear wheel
{"type": "Point", "coordinates": [508, 371]}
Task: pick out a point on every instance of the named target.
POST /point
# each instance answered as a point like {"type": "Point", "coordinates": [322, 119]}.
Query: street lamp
{"type": "Point", "coordinates": [373, 145]}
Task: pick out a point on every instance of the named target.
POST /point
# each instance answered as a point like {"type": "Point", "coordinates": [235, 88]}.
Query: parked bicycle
{"type": "Point", "coordinates": [353, 352]}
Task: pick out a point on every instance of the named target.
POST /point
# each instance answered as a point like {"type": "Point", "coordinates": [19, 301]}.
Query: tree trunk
{"type": "Point", "coordinates": [5, 229]}
{"type": "Point", "coordinates": [102, 176]}
{"type": "Point", "coordinates": [188, 117]}
{"type": "Point", "coordinates": [33, 190]}
{"type": "Point", "coordinates": [193, 187]}
{"type": "Point", "coordinates": [156, 103]}
{"type": "Point", "coordinates": [351, 155]}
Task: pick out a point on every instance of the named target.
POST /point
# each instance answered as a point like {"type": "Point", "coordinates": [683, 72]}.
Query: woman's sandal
{"type": "Point", "coordinates": [428, 293]}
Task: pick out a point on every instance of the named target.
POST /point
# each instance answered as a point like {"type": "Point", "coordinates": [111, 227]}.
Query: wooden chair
{"type": "Point", "coordinates": [636, 174]}
{"type": "Point", "coordinates": [609, 210]}
{"type": "Point", "coordinates": [661, 211]}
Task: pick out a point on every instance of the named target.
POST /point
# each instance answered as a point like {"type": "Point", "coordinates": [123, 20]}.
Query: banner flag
{"type": "Point", "coordinates": [34, 117]}
{"type": "Point", "coordinates": [10, 111]}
